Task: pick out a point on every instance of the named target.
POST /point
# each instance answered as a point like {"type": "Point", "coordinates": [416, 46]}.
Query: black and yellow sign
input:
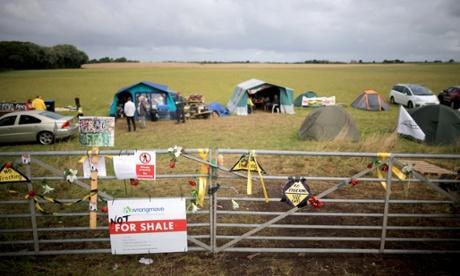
{"type": "Point", "coordinates": [296, 192]}
{"type": "Point", "coordinates": [247, 162]}
{"type": "Point", "coordinates": [10, 174]}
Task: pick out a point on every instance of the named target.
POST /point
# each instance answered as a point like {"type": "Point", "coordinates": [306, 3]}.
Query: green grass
{"type": "Point", "coordinates": [96, 87]}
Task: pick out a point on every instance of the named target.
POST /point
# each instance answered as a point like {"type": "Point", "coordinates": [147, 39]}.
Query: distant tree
{"type": "Point", "coordinates": [451, 60]}
{"type": "Point", "coordinates": [27, 55]}
{"type": "Point", "coordinates": [105, 60]}
{"type": "Point", "coordinates": [121, 59]}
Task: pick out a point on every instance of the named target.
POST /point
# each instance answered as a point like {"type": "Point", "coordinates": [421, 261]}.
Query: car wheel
{"type": "Point", "coordinates": [45, 138]}
{"type": "Point", "coordinates": [410, 104]}
{"type": "Point", "coordinates": [392, 100]}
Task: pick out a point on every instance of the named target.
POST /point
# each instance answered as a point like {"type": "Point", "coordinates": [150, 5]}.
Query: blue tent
{"type": "Point", "coordinates": [219, 109]}
{"type": "Point", "coordinates": [158, 96]}
{"type": "Point", "coordinates": [279, 96]}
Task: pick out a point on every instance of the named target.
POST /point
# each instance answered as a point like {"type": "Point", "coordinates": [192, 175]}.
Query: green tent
{"type": "Point", "coordinates": [329, 123]}
{"type": "Point", "coordinates": [308, 94]}
{"type": "Point", "coordinates": [440, 123]}
{"type": "Point", "coordinates": [276, 95]}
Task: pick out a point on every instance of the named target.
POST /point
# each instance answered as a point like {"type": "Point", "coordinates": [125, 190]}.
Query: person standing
{"type": "Point", "coordinates": [29, 105]}
{"type": "Point", "coordinates": [142, 109]}
{"type": "Point", "coordinates": [180, 104]}
{"type": "Point", "coordinates": [38, 103]}
{"type": "Point", "coordinates": [130, 110]}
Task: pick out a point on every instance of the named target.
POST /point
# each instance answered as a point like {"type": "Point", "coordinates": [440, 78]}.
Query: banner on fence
{"type": "Point", "coordinates": [139, 226]}
{"type": "Point", "coordinates": [97, 131]}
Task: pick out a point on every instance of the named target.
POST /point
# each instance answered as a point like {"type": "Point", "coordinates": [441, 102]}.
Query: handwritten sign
{"type": "Point", "coordinates": [97, 131]}
{"type": "Point", "coordinates": [10, 174]}
{"type": "Point", "coordinates": [156, 225]}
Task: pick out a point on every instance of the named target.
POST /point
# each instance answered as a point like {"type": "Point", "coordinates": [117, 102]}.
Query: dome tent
{"type": "Point", "coordinates": [440, 124]}
{"type": "Point", "coordinates": [329, 123]}
{"type": "Point", "coordinates": [370, 100]}
{"type": "Point", "coordinates": [308, 94]}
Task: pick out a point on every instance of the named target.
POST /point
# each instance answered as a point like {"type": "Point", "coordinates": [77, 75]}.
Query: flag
{"type": "Point", "coordinates": [407, 125]}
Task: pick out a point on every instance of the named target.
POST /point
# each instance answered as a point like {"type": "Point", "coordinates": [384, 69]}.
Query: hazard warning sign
{"type": "Point", "coordinates": [296, 192]}
{"type": "Point", "coordinates": [10, 174]}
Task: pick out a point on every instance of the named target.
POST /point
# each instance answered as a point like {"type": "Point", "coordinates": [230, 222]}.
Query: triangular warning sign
{"type": "Point", "coordinates": [247, 162]}
{"type": "Point", "coordinates": [10, 174]}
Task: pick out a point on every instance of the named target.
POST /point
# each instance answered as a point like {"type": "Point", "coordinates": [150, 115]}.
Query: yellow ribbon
{"type": "Point", "coordinates": [203, 181]}
{"type": "Point", "coordinates": [252, 154]}
{"type": "Point", "coordinates": [379, 175]}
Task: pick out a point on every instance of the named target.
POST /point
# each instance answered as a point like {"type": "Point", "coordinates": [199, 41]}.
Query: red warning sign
{"type": "Point", "coordinates": [145, 165]}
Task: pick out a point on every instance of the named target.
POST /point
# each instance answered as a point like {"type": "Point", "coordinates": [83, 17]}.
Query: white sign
{"type": "Point", "coordinates": [101, 171]}
{"type": "Point", "coordinates": [123, 166]}
{"type": "Point", "coordinates": [407, 125]}
{"type": "Point", "coordinates": [138, 226]}
{"type": "Point", "coordinates": [145, 164]}
{"type": "Point", "coordinates": [141, 165]}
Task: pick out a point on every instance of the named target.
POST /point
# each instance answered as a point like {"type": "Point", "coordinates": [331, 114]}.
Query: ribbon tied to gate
{"type": "Point", "coordinates": [248, 162]}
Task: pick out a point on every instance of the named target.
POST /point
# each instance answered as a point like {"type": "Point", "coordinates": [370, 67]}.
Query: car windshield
{"type": "Point", "coordinates": [51, 115]}
{"type": "Point", "coordinates": [420, 90]}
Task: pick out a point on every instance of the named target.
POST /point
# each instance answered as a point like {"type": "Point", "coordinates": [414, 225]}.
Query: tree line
{"type": "Point", "coordinates": [28, 55]}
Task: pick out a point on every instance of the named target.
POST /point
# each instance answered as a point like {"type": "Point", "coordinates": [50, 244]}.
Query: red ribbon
{"type": "Point", "coordinates": [104, 209]}
{"type": "Point", "coordinates": [192, 183]}
{"type": "Point", "coordinates": [315, 203]}
{"type": "Point", "coordinates": [172, 164]}
{"type": "Point", "coordinates": [31, 194]}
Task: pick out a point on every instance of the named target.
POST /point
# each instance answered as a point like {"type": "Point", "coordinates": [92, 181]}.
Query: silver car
{"type": "Point", "coordinates": [36, 125]}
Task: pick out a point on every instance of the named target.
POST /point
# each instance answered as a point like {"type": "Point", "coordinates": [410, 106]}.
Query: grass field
{"type": "Point", "coordinates": [96, 85]}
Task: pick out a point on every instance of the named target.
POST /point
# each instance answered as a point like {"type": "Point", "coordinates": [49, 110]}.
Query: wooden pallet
{"type": "Point", "coordinates": [425, 168]}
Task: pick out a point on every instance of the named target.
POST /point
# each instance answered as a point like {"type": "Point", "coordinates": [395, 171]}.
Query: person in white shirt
{"type": "Point", "coordinates": [129, 110]}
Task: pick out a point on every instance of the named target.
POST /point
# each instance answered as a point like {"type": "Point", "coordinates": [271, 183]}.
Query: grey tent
{"type": "Point", "coordinates": [308, 94]}
{"type": "Point", "coordinates": [329, 123]}
{"type": "Point", "coordinates": [440, 123]}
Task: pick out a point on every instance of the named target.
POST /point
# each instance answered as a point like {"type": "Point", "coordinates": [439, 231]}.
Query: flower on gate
{"type": "Point", "coordinates": [70, 175]}
{"type": "Point", "coordinates": [315, 202]}
{"type": "Point", "coordinates": [174, 153]}
{"type": "Point", "coordinates": [353, 182]}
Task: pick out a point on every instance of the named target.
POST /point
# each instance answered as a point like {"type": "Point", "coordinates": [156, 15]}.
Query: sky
{"type": "Point", "coordinates": [240, 30]}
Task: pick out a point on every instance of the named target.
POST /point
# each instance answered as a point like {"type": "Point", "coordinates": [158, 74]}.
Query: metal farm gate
{"type": "Point", "coordinates": [359, 202]}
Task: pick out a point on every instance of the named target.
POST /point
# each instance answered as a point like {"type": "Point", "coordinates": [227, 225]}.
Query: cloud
{"type": "Point", "coordinates": [268, 30]}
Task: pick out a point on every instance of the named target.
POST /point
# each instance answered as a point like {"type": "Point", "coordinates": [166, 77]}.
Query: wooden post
{"type": "Point", "coordinates": [93, 160]}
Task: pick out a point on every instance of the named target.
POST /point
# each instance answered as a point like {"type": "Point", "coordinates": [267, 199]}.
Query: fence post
{"type": "Point", "coordinates": [386, 209]}
{"type": "Point", "coordinates": [210, 184]}
{"type": "Point", "coordinates": [214, 174]}
{"type": "Point", "coordinates": [33, 216]}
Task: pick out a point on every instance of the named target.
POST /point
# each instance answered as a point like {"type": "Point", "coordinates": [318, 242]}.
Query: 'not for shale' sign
{"type": "Point", "coordinates": [157, 225]}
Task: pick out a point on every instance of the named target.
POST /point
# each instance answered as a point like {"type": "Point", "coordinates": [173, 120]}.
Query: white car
{"type": "Point", "coordinates": [412, 95]}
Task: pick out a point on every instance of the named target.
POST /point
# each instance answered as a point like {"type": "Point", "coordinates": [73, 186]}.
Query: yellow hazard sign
{"type": "Point", "coordinates": [247, 162]}
{"type": "Point", "coordinates": [296, 192]}
{"type": "Point", "coordinates": [10, 174]}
